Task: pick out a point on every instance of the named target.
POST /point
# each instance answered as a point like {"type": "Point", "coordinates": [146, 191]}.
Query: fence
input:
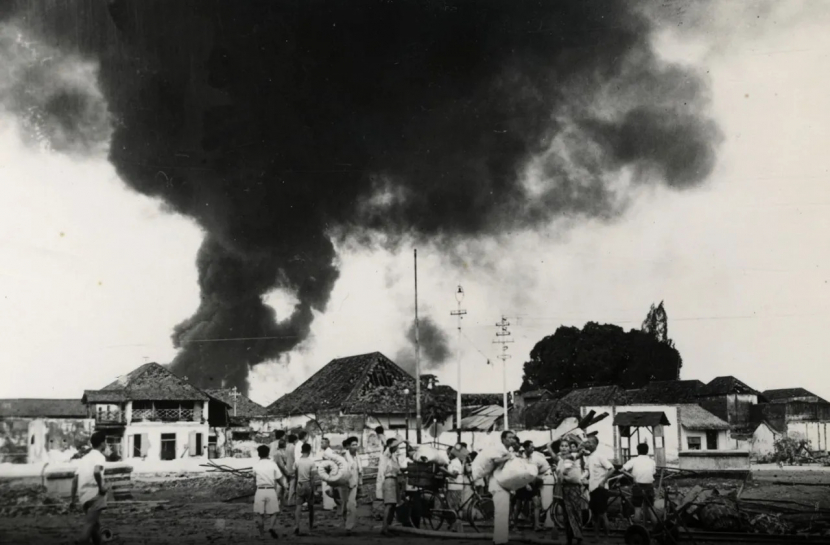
{"type": "Point", "coordinates": [163, 415]}
{"type": "Point", "coordinates": [109, 417]}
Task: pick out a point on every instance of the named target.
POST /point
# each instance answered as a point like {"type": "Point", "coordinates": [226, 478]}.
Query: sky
{"type": "Point", "coordinates": [93, 276]}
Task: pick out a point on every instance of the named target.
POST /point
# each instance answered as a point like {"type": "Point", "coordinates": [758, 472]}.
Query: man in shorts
{"type": "Point", "coordinates": [266, 502]}
{"type": "Point", "coordinates": [304, 473]}
{"type": "Point", "coordinates": [88, 486]}
{"type": "Point", "coordinates": [290, 461]}
{"type": "Point", "coordinates": [641, 469]}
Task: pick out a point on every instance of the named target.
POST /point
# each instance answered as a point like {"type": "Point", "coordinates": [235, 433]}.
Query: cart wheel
{"type": "Point", "coordinates": [637, 535]}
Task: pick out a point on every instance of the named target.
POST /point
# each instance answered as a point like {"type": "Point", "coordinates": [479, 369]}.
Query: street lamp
{"type": "Point", "coordinates": [406, 396]}
{"type": "Point", "coordinates": [459, 296]}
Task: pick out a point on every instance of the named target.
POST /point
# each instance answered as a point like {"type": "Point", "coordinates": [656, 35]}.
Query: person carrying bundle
{"type": "Point", "coordinates": [532, 493]}
{"type": "Point", "coordinates": [570, 474]}
{"type": "Point", "coordinates": [491, 459]}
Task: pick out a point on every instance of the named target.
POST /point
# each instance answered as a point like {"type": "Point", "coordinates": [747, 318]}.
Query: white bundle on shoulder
{"type": "Point", "coordinates": [334, 470]}
{"type": "Point", "coordinates": [516, 473]}
{"type": "Point", "coordinates": [431, 455]}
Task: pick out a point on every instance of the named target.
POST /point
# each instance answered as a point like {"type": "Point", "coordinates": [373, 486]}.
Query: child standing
{"type": "Point", "coordinates": [266, 503]}
{"type": "Point", "coordinates": [88, 485]}
{"type": "Point", "coordinates": [642, 469]}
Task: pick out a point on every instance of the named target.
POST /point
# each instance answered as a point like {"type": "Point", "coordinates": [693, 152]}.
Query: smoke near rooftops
{"type": "Point", "coordinates": [434, 344]}
{"type": "Point", "coordinates": [280, 127]}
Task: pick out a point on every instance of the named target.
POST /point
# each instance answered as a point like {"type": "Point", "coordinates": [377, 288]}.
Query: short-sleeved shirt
{"type": "Point", "coordinates": [266, 472]}
{"type": "Point", "coordinates": [290, 459]}
{"type": "Point", "coordinates": [598, 467]}
{"type": "Point", "coordinates": [281, 459]}
{"type": "Point", "coordinates": [87, 487]}
{"type": "Point", "coordinates": [541, 462]}
{"type": "Point", "coordinates": [391, 465]}
{"type": "Point", "coordinates": [457, 482]}
{"type": "Point", "coordinates": [305, 469]}
{"type": "Point", "coordinates": [298, 450]}
{"type": "Point", "coordinates": [642, 468]}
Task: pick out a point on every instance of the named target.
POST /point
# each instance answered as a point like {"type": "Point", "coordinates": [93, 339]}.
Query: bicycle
{"type": "Point", "coordinates": [477, 510]}
{"type": "Point", "coordinates": [556, 509]}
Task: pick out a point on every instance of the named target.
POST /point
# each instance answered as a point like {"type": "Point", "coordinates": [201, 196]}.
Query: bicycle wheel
{"type": "Point", "coordinates": [433, 509]}
{"type": "Point", "coordinates": [480, 513]}
{"type": "Point", "coordinates": [558, 510]}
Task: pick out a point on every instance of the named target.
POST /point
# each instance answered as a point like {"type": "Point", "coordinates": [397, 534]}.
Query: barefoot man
{"type": "Point", "coordinates": [266, 502]}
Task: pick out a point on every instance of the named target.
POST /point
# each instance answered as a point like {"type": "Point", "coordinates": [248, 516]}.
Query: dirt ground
{"type": "Point", "coordinates": [179, 510]}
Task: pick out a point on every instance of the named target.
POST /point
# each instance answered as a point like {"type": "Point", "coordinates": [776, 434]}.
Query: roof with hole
{"type": "Point", "coordinates": [727, 385]}
{"type": "Point", "coordinates": [42, 408]}
{"type": "Point", "coordinates": [150, 382]}
{"type": "Point", "coordinates": [364, 384]}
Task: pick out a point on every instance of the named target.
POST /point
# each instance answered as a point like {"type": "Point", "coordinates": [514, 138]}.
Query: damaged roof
{"type": "Point", "coordinates": [695, 417]}
{"type": "Point", "coordinates": [245, 408]}
{"type": "Point", "coordinates": [42, 408]}
{"type": "Point", "coordinates": [150, 382]}
{"type": "Point", "coordinates": [485, 418]}
{"type": "Point", "coordinates": [547, 414]}
{"type": "Point", "coordinates": [665, 392]}
{"type": "Point", "coordinates": [347, 384]}
{"type": "Point", "coordinates": [594, 396]}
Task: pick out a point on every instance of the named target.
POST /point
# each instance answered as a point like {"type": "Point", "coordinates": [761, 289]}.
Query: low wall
{"type": "Point", "coordinates": [714, 460]}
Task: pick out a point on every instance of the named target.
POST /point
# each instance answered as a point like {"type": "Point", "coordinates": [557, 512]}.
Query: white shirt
{"type": "Point", "coordinates": [598, 467]}
{"type": "Point", "coordinates": [642, 468]}
{"type": "Point", "coordinates": [298, 450]}
{"type": "Point", "coordinates": [267, 472]}
{"type": "Point", "coordinates": [87, 487]}
{"type": "Point", "coordinates": [327, 453]}
{"type": "Point", "coordinates": [541, 463]}
{"type": "Point", "coordinates": [457, 482]}
{"type": "Point", "coordinates": [355, 471]}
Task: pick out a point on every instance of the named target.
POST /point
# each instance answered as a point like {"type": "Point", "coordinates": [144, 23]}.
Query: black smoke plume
{"type": "Point", "coordinates": [280, 125]}
{"type": "Point", "coordinates": [434, 344]}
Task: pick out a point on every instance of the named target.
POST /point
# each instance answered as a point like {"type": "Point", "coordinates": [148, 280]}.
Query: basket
{"type": "Point", "coordinates": [424, 475]}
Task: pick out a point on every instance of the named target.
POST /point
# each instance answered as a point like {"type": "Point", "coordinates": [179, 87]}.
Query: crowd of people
{"type": "Point", "coordinates": [286, 475]}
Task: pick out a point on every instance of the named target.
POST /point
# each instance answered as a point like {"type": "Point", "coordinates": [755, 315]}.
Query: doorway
{"type": "Point", "coordinates": [168, 446]}
{"type": "Point", "coordinates": [711, 440]}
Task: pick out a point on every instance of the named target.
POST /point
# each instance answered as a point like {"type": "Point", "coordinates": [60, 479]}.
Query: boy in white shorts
{"type": "Point", "coordinates": [266, 503]}
{"type": "Point", "coordinates": [88, 486]}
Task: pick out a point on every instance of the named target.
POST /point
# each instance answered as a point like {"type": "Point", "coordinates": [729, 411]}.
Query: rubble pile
{"type": "Point", "coordinates": [198, 489]}
{"type": "Point", "coordinates": [20, 500]}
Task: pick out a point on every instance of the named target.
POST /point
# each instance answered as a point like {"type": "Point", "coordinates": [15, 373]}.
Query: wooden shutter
{"type": "Point", "coordinates": [145, 444]}
{"type": "Point", "coordinates": [192, 443]}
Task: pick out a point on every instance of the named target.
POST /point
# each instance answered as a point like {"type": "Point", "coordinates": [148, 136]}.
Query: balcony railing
{"type": "Point", "coordinates": [109, 417]}
{"type": "Point", "coordinates": [163, 415]}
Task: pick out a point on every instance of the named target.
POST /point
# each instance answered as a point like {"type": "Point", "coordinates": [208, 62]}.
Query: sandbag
{"type": "Point", "coordinates": [334, 470]}
{"type": "Point", "coordinates": [516, 473]}
{"type": "Point", "coordinates": [431, 455]}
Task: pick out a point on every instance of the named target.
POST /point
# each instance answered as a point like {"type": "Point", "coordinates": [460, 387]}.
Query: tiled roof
{"type": "Point", "coordinates": [547, 414]}
{"type": "Point", "coordinates": [43, 408]}
{"type": "Point", "coordinates": [354, 384]}
{"type": "Point", "coordinates": [725, 386]}
{"type": "Point", "coordinates": [150, 382]}
{"type": "Point", "coordinates": [245, 408]}
{"type": "Point", "coordinates": [665, 392]}
{"type": "Point", "coordinates": [788, 393]}
{"type": "Point", "coordinates": [594, 396]}
{"type": "Point", "coordinates": [468, 400]}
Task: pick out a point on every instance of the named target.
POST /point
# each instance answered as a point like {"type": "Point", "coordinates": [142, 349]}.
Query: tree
{"type": "Point", "coordinates": [600, 355]}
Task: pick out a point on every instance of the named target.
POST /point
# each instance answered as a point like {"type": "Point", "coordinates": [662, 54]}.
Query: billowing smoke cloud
{"type": "Point", "coordinates": [278, 126]}
{"type": "Point", "coordinates": [434, 344]}
{"type": "Point", "coordinates": [53, 95]}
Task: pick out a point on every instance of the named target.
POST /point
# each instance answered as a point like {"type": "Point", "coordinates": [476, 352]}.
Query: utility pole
{"type": "Point", "coordinates": [235, 394]}
{"type": "Point", "coordinates": [417, 361]}
{"type": "Point", "coordinates": [459, 296]}
{"type": "Point", "coordinates": [502, 339]}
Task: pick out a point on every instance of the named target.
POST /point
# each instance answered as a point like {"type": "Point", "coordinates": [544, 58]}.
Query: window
{"type": "Point", "coordinates": [168, 446]}
{"type": "Point", "coordinates": [198, 444]}
{"type": "Point", "coordinates": [694, 443]}
{"type": "Point", "coordinates": [711, 440]}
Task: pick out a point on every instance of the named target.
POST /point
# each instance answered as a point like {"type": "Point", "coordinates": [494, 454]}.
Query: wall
{"type": "Point", "coordinates": [738, 408]}
{"type": "Point", "coordinates": [34, 440]}
{"type": "Point", "coordinates": [154, 431]}
{"type": "Point", "coordinates": [724, 441]}
{"type": "Point", "coordinates": [763, 441]}
{"type": "Point", "coordinates": [697, 460]}
{"type": "Point", "coordinates": [815, 432]}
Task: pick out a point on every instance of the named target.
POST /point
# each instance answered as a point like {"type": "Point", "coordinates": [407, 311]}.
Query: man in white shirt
{"type": "Point", "coordinates": [348, 493]}
{"type": "Point", "coordinates": [486, 463]}
{"type": "Point", "coordinates": [642, 469]}
{"type": "Point", "coordinates": [533, 491]}
{"type": "Point", "coordinates": [600, 469]}
{"type": "Point", "coordinates": [88, 486]}
{"type": "Point", "coordinates": [381, 460]}
{"type": "Point", "coordinates": [266, 504]}
{"type": "Point", "coordinates": [455, 483]}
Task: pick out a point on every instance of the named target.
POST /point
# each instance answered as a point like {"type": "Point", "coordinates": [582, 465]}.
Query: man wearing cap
{"type": "Point", "coordinates": [391, 487]}
{"type": "Point", "coordinates": [490, 459]}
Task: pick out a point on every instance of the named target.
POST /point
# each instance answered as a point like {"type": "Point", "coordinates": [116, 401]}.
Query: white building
{"type": "Point", "coordinates": [153, 414]}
